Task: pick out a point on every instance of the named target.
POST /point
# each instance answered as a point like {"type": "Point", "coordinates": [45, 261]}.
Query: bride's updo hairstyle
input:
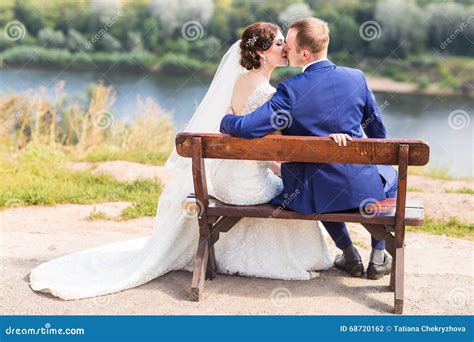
{"type": "Point", "coordinates": [257, 37]}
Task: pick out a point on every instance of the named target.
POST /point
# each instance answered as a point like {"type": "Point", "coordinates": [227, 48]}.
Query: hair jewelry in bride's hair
{"type": "Point", "coordinates": [251, 41]}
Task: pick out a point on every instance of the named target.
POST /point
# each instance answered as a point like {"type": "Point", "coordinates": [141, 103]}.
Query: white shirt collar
{"type": "Point", "coordinates": [313, 62]}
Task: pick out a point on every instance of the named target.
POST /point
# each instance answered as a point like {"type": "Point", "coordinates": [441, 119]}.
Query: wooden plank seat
{"type": "Point", "coordinates": [384, 220]}
{"type": "Point", "coordinates": [382, 212]}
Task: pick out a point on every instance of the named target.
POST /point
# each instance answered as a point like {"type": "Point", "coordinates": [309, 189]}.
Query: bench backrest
{"type": "Point", "coordinates": [303, 149]}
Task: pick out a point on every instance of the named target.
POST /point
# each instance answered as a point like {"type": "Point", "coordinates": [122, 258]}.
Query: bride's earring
{"type": "Point", "coordinates": [264, 58]}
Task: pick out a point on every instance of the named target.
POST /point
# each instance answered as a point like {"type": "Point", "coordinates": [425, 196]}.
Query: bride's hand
{"type": "Point", "coordinates": [340, 138]}
{"type": "Point", "coordinates": [230, 110]}
{"type": "Point", "coordinates": [275, 167]}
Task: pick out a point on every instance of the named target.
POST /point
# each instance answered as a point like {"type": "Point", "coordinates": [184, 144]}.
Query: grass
{"type": "Point", "coordinates": [98, 215]}
{"type": "Point", "coordinates": [467, 191]}
{"type": "Point", "coordinates": [436, 173]}
{"type": "Point", "coordinates": [133, 154]}
{"type": "Point", "coordinates": [36, 176]}
{"type": "Point", "coordinates": [451, 227]}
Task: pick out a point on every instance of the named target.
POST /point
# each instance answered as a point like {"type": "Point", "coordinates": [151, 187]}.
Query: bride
{"type": "Point", "coordinates": [268, 248]}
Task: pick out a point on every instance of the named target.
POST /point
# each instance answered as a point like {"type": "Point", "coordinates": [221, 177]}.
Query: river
{"type": "Point", "coordinates": [406, 116]}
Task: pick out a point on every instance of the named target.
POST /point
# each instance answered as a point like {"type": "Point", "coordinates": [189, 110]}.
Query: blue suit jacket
{"type": "Point", "coordinates": [322, 100]}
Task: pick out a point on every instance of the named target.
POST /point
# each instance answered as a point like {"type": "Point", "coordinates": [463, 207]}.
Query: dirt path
{"type": "Point", "coordinates": [439, 201]}
{"type": "Point", "coordinates": [439, 277]}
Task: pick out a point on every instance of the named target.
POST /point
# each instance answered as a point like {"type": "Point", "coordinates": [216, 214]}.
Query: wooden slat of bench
{"type": "Point", "coordinates": [304, 149]}
{"type": "Point", "coordinates": [414, 213]}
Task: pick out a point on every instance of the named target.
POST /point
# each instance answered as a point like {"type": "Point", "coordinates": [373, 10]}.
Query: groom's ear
{"type": "Point", "coordinates": [305, 54]}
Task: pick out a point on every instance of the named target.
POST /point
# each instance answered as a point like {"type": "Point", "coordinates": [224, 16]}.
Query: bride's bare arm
{"type": "Point", "coordinates": [275, 167]}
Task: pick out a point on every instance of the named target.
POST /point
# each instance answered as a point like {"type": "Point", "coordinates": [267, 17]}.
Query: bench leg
{"type": "Point", "coordinates": [200, 266]}
{"type": "Point", "coordinates": [391, 285]}
{"type": "Point", "coordinates": [399, 279]}
{"type": "Point", "coordinates": [211, 269]}
{"type": "Point", "coordinates": [390, 241]}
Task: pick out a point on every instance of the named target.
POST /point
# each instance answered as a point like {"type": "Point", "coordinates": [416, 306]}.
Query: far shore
{"type": "Point", "coordinates": [376, 84]}
{"type": "Point", "coordinates": [387, 85]}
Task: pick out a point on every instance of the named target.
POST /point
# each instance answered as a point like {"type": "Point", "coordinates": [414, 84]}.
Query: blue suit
{"type": "Point", "coordinates": [324, 99]}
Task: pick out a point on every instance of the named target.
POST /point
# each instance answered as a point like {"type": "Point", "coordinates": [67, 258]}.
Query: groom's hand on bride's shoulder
{"type": "Point", "coordinates": [230, 110]}
{"type": "Point", "coordinates": [340, 138]}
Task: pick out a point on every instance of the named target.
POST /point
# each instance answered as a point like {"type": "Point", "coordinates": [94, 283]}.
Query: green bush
{"type": "Point", "coordinates": [109, 43]}
{"type": "Point", "coordinates": [206, 49]}
{"type": "Point", "coordinates": [75, 41]}
{"type": "Point", "coordinates": [423, 82]}
{"type": "Point", "coordinates": [63, 57]}
{"type": "Point", "coordinates": [178, 46]}
{"type": "Point", "coordinates": [134, 42]}
{"type": "Point", "coordinates": [180, 64]}
{"type": "Point", "coordinates": [47, 37]}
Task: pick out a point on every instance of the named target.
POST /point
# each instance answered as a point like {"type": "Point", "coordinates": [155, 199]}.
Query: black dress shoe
{"type": "Point", "coordinates": [376, 271]}
{"type": "Point", "coordinates": [355, 268]}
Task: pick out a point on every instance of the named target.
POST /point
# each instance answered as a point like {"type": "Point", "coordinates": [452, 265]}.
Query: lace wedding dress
{"type": "Point", "coordinates": [267, 248]}
{"type": "Point", "coordinates": [270, 248]}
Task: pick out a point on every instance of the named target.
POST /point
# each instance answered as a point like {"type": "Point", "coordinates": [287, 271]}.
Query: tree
{"type": "Point", "coordinates": [449, 21]}
{"type": "Point", "coordinates": [402, 28]}
{"type": "Point", "coordinates": [173, 14]}
{"type": "Point", "coordinates": [105, 11]}
{"type": "Point", "coordinates": [50, 38]}
{"type": "Point", "coordinates": [134, 42]}
{"type": "Point", "coordinates": [293, 13]}
{"type": "Point", "coordinates": [75, 41]}
{"type": "Point", "coordinates": [150, 33]}
{"type": "Point", "coordinates": [109, 43]}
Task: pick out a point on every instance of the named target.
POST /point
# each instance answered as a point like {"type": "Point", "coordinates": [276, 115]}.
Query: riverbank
{"type": "Point", "coordinates": [443, 75]}
{"type": "Point", "coordinates": [387, 85]}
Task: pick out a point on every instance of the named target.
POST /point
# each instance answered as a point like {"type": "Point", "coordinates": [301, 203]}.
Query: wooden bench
{"type": "Point", "coordinates": [215, 217]}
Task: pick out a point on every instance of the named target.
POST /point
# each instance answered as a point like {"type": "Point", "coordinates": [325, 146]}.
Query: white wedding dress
{"type": "Point", "coordinates": [268, 248]}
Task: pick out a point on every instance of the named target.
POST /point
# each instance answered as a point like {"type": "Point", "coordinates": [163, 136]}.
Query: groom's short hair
{"type": "Point", "coordinates": [312, 34]}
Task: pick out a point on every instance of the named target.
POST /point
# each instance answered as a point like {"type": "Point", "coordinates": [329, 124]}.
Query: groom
{"type": "Point", "coordinates": [324, 99]}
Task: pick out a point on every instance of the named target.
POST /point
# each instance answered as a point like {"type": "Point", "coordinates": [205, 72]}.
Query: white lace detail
{"type": "Point", "coordinates": [260, 95]}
